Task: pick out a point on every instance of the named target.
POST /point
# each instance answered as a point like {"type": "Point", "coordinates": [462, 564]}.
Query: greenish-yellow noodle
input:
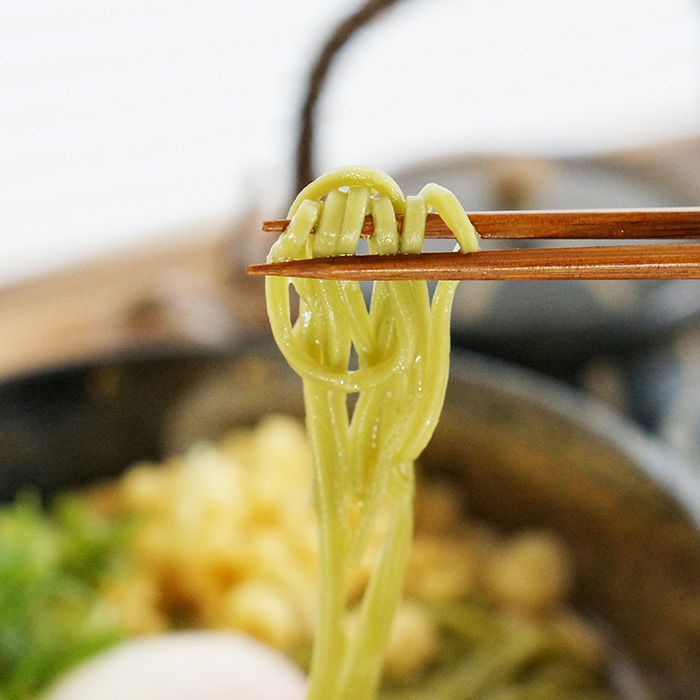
{"type": "Point", "coordinates": [363, 459]}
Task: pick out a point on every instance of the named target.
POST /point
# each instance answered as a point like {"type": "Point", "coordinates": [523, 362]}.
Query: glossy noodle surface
{"type": "Point", "coordinates": [393, 353]}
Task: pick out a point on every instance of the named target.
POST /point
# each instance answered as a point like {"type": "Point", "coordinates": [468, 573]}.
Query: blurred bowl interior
{"type": "Point", "coordinates": [525, 452]}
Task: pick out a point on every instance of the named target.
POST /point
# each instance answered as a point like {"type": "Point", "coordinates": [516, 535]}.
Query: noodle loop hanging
{"type": "Point", "coordinates": [363, 459]}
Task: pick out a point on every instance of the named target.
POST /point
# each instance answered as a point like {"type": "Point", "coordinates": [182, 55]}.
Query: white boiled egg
{"type": "Point", "coordinates": [185, 666]}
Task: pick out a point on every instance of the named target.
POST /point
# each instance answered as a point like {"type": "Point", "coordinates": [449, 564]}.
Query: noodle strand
{"type": "Point", "coordinates": [363, 459]}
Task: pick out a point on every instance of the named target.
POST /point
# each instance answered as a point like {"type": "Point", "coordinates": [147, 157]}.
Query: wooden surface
{"type": "Point", "coordinates": [185, 294]}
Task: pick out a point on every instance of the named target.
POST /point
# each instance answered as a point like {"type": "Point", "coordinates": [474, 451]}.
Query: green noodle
{"type": "Point", "coordinates": [363, 459]}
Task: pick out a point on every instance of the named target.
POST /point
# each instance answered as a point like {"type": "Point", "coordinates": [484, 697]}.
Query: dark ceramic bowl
{"type": "Point", "coordinates": [525, 452]}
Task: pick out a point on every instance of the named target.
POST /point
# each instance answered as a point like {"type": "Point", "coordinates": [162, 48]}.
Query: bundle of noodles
{"type": "Point", "coordinates": [363, 459]}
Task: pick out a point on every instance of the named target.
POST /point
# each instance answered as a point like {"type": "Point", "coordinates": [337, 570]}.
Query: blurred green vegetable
{"type": "Point", "coordinates": [50, 566]}
{"type": "Point", "coordinates": [491, 654]}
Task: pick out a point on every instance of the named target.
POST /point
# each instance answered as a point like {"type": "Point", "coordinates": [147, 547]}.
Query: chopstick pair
{"type": "Point", "coordinates": [656, 261]}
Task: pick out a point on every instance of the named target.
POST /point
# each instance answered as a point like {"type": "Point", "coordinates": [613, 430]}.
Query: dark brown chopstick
{"type": "Point", "coordinates": [671, 223]}
{"type": "Point", "coordinates": [672, 261]}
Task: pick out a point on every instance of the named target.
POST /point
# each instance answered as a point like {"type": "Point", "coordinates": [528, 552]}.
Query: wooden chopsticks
{"type": "Point", "coordinates": [660, 261]}
{"type": "Point", "coordinates": [680, 261]}
{"type": "Point", "coordinates": [568, 224]}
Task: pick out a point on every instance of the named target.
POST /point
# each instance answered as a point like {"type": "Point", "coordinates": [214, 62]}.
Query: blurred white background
{"type": "Point", "coordinates": [123, 121]}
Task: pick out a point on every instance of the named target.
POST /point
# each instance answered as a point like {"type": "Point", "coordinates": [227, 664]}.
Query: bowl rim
{"type": "Point", "coordinates": [671, 471]}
